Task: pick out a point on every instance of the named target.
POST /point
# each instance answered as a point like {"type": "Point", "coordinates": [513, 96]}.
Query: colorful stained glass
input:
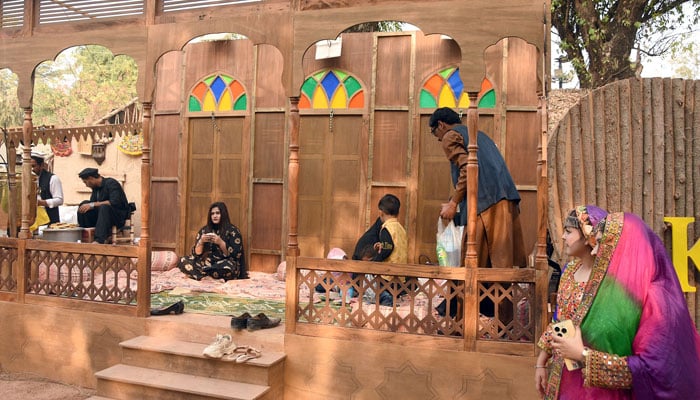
{"type": "Point", "coordinates": [331, 88]}
{"type": "Point", "coordinates": [446, 89]}
{"type": "Point", "coordinates": [218, 92]}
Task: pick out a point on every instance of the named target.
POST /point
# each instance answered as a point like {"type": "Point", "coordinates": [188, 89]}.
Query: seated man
{"type": "Point", "coordinates": [107, 206]}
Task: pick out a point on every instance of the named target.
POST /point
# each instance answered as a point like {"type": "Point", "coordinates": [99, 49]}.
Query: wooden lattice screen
{"type": "Point", "coordinates": [633, 146]}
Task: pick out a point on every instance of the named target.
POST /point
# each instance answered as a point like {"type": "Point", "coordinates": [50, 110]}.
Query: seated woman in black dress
{"type": "Point", "coordinates": [218, 249]}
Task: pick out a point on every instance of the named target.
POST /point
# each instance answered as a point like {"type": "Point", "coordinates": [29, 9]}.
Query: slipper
{"type": "Point", "coordinates": [236, 352]}
{"type": "Point", "coordinates": [250, 354]}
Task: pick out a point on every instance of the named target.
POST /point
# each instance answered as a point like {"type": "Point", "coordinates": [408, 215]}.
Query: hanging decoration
{"type": "Point", "coordinates": [131, 144]}
{"type": "Point", "coordinates": [62, 148]}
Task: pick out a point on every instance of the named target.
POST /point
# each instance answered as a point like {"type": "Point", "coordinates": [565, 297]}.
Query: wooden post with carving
{"type": "Point", "coordinates": [471, 261]}
{"type": "Point", "coordinates": [541, 264]}
{"type": "Point", "coordinates": [293, 216]}
{"type": "Point", "coordinates": [27, 201]}
{"type": "Point", "coordinates": [143, 294]}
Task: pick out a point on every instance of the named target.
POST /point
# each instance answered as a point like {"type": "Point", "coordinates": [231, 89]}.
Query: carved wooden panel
{"type": "Point", "coordinates": [8, 273]}
{"type": "Point", "coordinates": [94, 277]}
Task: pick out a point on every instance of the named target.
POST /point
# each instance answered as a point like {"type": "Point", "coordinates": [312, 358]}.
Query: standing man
{"type": "Point", "coordinates": [107, 206]}
{"type": "Point", "coordinates": [50, 193]}
{"type": "Point", "coordinates": [499, 238]}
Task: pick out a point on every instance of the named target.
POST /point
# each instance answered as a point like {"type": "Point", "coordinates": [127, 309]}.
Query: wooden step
{"type": "Point", "coordinates": [184, 357]}
{"type": "Point", "coordinates": [130, 382]}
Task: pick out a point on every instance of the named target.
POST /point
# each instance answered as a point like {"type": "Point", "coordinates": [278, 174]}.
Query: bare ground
{"type": "Point", "coordinates": [29, 386]}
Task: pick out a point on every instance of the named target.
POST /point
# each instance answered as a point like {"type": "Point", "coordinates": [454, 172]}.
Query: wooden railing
{"type": "Point", "coordinates": [89, 277]}
{"type": "Point", "coordinates": [415, 291]}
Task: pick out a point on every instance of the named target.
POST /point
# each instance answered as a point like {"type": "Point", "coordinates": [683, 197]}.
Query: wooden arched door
{"type": "Point", "coordinates": [218, 168]}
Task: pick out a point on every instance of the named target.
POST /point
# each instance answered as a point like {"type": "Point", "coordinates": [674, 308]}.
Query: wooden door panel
{"type": "Point", "coordinates": [201, 180]}
{"type": "Point", "coordinates": [231, 178]}
{"type": "Point", "coordinates": [217, 171]}
{"type": "Point", "coordinates": [390, 146]}
{"type": "Point", "coordinates": [229, 134]}
{"type": "Point", "coordinates": [344, 181]}
{"type": "Point", "coordinates": [331, 179]}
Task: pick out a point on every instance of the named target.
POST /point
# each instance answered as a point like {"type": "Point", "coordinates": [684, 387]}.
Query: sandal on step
{"type": "Point", "coordinates": [250, 354]}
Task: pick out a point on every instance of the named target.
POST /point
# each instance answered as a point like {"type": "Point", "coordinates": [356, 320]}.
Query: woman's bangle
{"type": "Point", "coordinates": [92, 205]}
{"type": "Point", "coordinates": [540, 366]}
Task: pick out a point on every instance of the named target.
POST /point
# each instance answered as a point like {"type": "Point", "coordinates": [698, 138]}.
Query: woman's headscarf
{"type": "Point", "coordinates": [588, 217]}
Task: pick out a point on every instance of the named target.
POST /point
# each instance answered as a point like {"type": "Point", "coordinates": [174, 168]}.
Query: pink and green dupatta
{"type": "Point", "coordinates": [634, 307]}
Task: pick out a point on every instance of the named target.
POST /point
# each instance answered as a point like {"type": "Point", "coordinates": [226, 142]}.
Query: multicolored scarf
{"type": "Point", "coordinates": [634, 307]}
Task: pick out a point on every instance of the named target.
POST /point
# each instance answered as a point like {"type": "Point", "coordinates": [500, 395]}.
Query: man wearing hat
{"type": "Point", "coordinates": [107, 206]}
{"type": "Point", "coordinates": [50, 189]}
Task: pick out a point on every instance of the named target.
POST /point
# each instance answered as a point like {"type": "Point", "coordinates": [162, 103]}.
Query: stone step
{"type": "Point", "coordinates": [129, 382]}
{"type": "Point", "coordinates": [203, 328]}
{"type": "Point", "coordinates": [184, 357]}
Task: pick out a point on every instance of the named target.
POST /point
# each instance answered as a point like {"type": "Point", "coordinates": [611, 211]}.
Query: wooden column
{"type": "Point", "coordinates": [541, 264]}
{"type": "Point", "coordinates": [471, 261]}
{"type": "Point", "coordinates": [143, 294]}
{"type": "Point", "coordinates": [541, 254]}
{"type": "Point", "coordinates": [293, 215]}
{"type": "Point", "coordinates": [12, 205]}
{"type": "Point", "coordinates": [27, 191]}
{"type": "Point", "coordinates": [471, 257]}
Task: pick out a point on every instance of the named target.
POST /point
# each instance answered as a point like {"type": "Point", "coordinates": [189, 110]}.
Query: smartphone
{"type": "Point", "coordinates": [566, 329]}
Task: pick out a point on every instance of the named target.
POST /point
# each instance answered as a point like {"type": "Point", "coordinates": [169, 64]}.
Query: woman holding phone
{"type": "Point", "coordinates": [218, 249]}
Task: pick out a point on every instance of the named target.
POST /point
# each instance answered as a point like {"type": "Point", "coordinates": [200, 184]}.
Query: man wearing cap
{"type": "Point", "coordinates": [107, 206]}
{"type": "Point", "coordinates": [50, 189]}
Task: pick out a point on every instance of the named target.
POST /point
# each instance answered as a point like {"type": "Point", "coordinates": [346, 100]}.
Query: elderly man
{"type": "Point", "coordinates": [107, 206]}
{"type": "Point", "coordinates": [50, 193]}
{"type": "Point", "coordinates": [499, 238]}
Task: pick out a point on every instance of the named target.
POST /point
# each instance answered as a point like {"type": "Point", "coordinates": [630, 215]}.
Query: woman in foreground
{"type": "Point", "coordinates": [633, 335]}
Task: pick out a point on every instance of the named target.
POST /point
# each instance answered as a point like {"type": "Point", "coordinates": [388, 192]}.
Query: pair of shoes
{"type": "Point", "coordinates": [262, 321]}
{"type": "Point", "coordinates": [222, 345]}
{"type": "Point", "coordinates": [242, 354]}
{"type": "Point", "coordinates": [241, 321]}
{"type": "Point", "coordinates": [175, 308]}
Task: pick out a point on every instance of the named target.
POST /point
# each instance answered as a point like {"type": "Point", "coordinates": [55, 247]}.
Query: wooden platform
{"type": "Point", "coordinates": [164, 368]}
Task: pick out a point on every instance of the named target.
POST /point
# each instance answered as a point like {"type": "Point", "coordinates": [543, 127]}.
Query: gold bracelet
{"type": "Point", "coordinates": [540, 366]}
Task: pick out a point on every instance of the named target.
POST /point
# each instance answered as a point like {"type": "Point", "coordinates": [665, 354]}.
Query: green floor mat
{"type": "Point", "coordinates": [217, 304]}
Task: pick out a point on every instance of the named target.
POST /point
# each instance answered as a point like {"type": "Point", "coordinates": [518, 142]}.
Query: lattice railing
{"type": "Point", "coordinates": [397, 304]}
{"type": "Point", "coordinates": [504, 299]}
{"type": "Point", "coordinates": [91, 277]}
{"type": "Point", "coordinates": [8, 259]}
{"type": "Point", "coordinates": [95, 277]}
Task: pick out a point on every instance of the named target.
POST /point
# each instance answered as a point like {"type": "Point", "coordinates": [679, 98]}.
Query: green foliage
{"type": "Point", "coordinates": [685, 60]}
{"type": "Point", "coordinates": [81, 86]}
{"type": "Point", "coordinates": [598, 36]}
{"type": "Point", "coordinates": [378, 26]}
{"type": "Point", "coordinates": [10, 112]}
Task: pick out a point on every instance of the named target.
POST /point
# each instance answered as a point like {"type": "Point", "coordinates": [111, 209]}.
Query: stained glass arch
{"type": "Point", "coordinates": [332, 88]}
{"type": "Point", "coordinates": [446, 89]}
{"type": "Point", "coordinates": [218, 92]}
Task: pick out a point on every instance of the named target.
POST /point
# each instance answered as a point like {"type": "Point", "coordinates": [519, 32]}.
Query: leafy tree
{"type": "Point", "coordinates": [81, 86]}
{"type": "Point", "coordinates": [685, 60]}
{"type": "Point", "coordinates": [10, 112]}
{"type": "Point", "coordinates": [598, 36]}
{"type": "Point", "coordinates": [377, 26]}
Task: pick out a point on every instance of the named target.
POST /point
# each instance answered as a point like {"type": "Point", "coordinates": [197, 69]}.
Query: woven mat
{"type": "Point", "coordinates": [218, 304]}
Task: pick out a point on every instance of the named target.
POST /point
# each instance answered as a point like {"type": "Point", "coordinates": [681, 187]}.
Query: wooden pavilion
{"type": "Point", "coordinates": [301, 148]}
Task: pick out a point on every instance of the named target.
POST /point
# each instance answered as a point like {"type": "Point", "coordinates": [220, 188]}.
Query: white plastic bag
{"type": "Point", "coordinates": [449, 244]}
